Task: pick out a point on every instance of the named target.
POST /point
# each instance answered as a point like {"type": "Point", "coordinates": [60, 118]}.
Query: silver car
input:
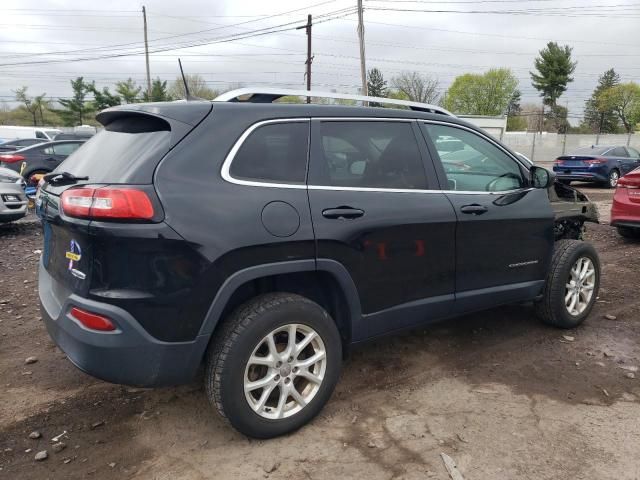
{"type": "Point", "coordinates": [13, 201]}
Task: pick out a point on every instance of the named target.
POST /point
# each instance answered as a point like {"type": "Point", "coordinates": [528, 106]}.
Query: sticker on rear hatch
{"type": "Point", "coordinates": [74, 255]}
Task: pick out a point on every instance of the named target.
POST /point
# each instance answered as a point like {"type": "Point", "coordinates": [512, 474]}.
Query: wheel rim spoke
{"type": "Point", "coordinates": [296, 396]}
{"type": "Point", "coordinates": [310, 376]}
{"type": "Point", "coordinates": [282, 401]}
{"type": "Point", "coordinates": [267, 361]}
{"type": "Point", "coordinates": [263, 382]}
{"type": "Point", "coordinates": [305, 341]}
{"type": "Point", "coordinates": [273, 350]}
{"type": "Point", "coordinates": [264, 396]}
{"type": "Point", "coordinates": [307, 362]}
{"type": "Point", "coordinates": [291, 341]}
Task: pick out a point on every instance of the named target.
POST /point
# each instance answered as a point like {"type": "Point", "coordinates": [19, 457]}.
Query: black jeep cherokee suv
{"type": "Point", "coordinates": [262, 239]}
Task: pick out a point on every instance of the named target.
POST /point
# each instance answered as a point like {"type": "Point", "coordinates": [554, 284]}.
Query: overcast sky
{"type": "Point", "coordinates": [603, 34]}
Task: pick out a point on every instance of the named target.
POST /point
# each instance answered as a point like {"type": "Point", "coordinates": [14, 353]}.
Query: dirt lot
{"type": "Point", "coordinates": [501, 394]}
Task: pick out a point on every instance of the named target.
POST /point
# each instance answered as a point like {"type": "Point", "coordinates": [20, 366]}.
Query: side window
{"type": "Point", "coordinates": [65, 149]}
{"type": "Point", "coordinates": [633, 152]}
{"type": "Point", "coordinates": [619, 152]}
{"type": "Point", "coordinates": [40, 134]}
{"type": "Point", "coordinates": [472, 163]}
{"type": "Point", "coordinates": [273, 153]}
{"type": "Point", "coordinates": [48, 151]}
{"type": "Point", "coordinates": [366, 154]}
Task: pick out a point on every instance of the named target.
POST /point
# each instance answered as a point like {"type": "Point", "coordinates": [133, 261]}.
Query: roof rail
{"type": "Point", "coordinates": [268, 95]}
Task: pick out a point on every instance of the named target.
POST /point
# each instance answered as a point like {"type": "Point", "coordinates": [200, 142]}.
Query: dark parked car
{"type": "Point", "coordinates": [262, 240]}
{"type": "Point", "coordinates": [603, 165]}
{"type": "Point", "coordinates": [74, 136]}
{"type": "Point", "coordinates": [17, 144]}
{"type": "Point", "coordinates": [39, 159]}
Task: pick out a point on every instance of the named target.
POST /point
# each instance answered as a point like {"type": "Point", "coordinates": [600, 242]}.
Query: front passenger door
{"type": "Point", "coordinates": [377, 212]}
{"type": "Point", "coordinates": [504, 235]}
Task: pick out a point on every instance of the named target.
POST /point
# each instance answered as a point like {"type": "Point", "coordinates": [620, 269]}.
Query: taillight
{"type": "Point", "coordinates": [558, 162]}
{"type": "Point", "coordinates": [629, 182]}
{"type": "Point", "coordinates": [93, 321]}
{"type": "Point", "coordinates": [595, 161]}
{"type": "Point", "coordinates": [106, 202]}
{"type": "Point", "coordinates": [11, 158]}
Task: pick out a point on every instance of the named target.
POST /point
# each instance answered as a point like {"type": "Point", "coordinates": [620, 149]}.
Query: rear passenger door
{"type": "Point", "coordinates": [375, 212]}
{"type": "Point", "coordinates": [624, 161]}
{"type": "Point", "coordinates": [635, 157]}
{"type": "Point", "coordinates": [504, 237]}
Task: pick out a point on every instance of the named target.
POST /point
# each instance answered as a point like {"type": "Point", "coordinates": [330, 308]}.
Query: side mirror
{"type": "Point", "coordinates": [541, 177]}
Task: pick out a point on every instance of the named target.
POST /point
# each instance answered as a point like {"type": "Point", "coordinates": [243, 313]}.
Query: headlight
{"type": "Point", "coordinates": [8, 179]}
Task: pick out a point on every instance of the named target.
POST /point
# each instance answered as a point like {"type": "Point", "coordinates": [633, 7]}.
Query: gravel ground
{"type": "Point", "coordinates": [503, 395]}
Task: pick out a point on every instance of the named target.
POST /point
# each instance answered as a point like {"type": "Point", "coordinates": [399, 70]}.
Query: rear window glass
{"type": "Point", "coordinates": [117, 152]}
{"type": "Point", "coordinates": [274, 152]}
{"type": "Point", "coordinates": [590, 151]}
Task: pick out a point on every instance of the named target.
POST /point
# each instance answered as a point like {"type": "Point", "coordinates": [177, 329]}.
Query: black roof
{"type": "Point", "coordinates": [191, 112]}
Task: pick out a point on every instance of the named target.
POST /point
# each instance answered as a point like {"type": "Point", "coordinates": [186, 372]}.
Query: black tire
{"type": "Point", "coordinates": [235, 342]}
{"type": "Point", "coordinates": [628, 232]}
{"type": "Point", "coordinates": [551, 308]}
{"type": "Point", "coordinates": [612, 179]}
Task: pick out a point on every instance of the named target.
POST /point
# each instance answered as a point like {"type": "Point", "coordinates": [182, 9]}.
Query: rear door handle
{"type": "Point", "coordinates": [346, 213]}
{"type": "Point", "coordinates": [474, 209]}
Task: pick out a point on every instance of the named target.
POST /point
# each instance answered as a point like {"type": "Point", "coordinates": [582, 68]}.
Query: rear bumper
{"type": "Point", "coordinates": [10, 209]}
{"type": "Point", "coordinates": [625, 212]}
{"type": "Point", "coordinates": [581, 176]}
{"type": "Point", "coordinates": [128, 355]}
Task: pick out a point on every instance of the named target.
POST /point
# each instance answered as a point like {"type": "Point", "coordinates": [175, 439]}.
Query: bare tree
{"type": "Point", "coordinates": [417, 87]}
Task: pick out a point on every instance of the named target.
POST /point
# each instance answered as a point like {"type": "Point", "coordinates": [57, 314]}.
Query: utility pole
{"type": "Point", "coordinates": [307, 27]}
{"type": "Point", "coordinates": [363, 66]}
{"type": "Point", "coordinates": [146, 50]}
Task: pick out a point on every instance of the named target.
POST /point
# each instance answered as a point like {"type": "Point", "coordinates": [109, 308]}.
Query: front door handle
{"type": "Point", "coordinates": [346, 213]}
{"type": "Point", "coordinates": [474, 209]}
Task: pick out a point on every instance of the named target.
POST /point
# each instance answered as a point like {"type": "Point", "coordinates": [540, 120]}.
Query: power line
{"type": "Point", "coordinates": [229, 38]}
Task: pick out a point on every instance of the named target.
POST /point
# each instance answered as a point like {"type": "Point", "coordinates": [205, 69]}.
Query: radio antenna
{"type": "Point", "coordinates": [184, 80]}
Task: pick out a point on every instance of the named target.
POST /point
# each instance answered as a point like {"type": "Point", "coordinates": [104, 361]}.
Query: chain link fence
{"type": "Point", "coordinates": [546, 147]}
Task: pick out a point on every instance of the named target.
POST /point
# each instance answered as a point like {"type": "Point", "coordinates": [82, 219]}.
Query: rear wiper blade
{"type": "Point", "coordinates": [62, 178]}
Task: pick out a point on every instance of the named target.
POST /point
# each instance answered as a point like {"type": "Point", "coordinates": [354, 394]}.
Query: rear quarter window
{"type": "Point", "coordinates": [273, 153]}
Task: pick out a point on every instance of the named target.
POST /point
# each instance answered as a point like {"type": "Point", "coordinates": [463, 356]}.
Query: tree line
{"type": "Point", "coordinates": [613, 107]}
{"type": "Point", "coordinates": [87, 99]}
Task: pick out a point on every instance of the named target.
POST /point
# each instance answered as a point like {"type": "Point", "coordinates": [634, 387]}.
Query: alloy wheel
{"type": "Point", "coordinates": [580, 286]}
{"type": "Point", "coordinates": [614, 176]}
{"type": "Point", "coordinates": [285, 371]}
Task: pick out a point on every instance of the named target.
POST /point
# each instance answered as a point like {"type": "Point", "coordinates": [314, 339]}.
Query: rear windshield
{"type": "Point", "coordinates": [590, 151]}
{"type": "Point", "coordinates": [121, 151]}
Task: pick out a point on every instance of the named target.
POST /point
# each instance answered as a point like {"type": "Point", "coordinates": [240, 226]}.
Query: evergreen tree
{"type": "Point", "coordinates": [376, 85]}
{"type": "Point", "coordinates": [76, 109]}
{"type": "Point", "coordinates": [554, 68]}
{"type": "Point", "coordinates": [596, 119]}
{"type": "Point", "coordinates": [128, 90]}
{"type": "Point", "coordinates": [103, 99]}
{"type": "Point", "coordinates": [158, 92]}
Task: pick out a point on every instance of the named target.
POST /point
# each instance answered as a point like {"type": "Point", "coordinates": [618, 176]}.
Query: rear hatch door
{"type": "Point", "coordinates": [126, 152]}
